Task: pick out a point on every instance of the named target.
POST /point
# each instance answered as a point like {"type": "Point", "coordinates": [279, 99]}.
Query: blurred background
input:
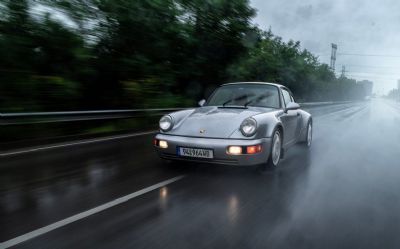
{"type": "Point", "coordinates": [79, 55]}
{"type": "Point", "coordinates": [83, 84]}
{"type": "Point", "coordinates": [76, 55]}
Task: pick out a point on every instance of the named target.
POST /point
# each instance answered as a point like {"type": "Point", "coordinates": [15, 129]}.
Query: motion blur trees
{"type": "Point", "coordinates": [39, 63]}
{"type": "Point", "coordinates": [101, 54]}
{"type": "Point", "coordinates": [273, 60]}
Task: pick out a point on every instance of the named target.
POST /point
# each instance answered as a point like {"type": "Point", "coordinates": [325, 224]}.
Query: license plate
{"type": "Point", "coordinates": [194, 152]}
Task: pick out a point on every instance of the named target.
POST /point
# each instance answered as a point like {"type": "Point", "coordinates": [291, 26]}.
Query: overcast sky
{"type": "Point", "coordinates": [357, 27]}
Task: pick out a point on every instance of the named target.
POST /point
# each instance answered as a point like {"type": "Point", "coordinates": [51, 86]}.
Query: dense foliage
{"type": "Point", "coordinates": [103, 54]}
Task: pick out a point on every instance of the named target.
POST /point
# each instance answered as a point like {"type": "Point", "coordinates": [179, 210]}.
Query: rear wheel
{"type": "Point", "coordinates": [308, 139]}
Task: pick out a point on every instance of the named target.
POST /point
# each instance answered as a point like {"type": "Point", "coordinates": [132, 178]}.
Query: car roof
{"type": "Point", "coordinates": [261, 83]}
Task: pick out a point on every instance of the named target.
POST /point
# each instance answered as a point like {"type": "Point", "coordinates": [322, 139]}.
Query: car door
{"type": "Point", "coordinates": [290, 120]}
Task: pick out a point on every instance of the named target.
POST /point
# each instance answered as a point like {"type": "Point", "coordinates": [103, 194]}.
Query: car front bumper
{"type": "Point", "coordinates": [219, 147]}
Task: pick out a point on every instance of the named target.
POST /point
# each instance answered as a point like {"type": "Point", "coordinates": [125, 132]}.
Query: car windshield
{"type": "Point", "coordinates": [246, 95]}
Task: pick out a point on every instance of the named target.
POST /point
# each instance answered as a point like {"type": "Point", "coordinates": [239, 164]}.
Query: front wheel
{"type": "Point", "coordinates": [275, 153]}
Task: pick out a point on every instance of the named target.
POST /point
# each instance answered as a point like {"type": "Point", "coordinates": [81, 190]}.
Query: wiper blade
{"type": "Point", "coordinates": [257, 99]}
{"type": "Point", "coordinates": [248, 102]}
{"type": "Point", "coordinates": [230, 100]}
{"type": "Point", "coordinates": [235, 99]}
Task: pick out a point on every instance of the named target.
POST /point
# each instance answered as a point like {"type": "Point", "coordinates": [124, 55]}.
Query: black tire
{"type": "Point", "coordinates": [307, 142]}
{"type": "Point", "coordinates": [274, 159]}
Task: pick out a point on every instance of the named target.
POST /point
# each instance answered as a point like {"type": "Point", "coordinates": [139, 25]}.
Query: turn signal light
{"type": "Point", "coordinates": [234, 150]}
{"type": "Point", "coordinates": [253, 149]}
{"type": "Point", "coordinates": [239, 150]}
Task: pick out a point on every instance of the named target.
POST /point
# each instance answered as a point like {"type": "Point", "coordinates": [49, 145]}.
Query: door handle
{"type": "Point", "coordinates": [298, 114]}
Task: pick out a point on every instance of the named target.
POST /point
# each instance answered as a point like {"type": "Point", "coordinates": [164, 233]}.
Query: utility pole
{"type": "Point", "coordinates": [333, 56]}
{"type": "Point", "coordinates": [343, 71]}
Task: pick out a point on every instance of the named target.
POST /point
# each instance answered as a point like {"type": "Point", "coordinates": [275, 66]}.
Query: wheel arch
{"type": "Point", "coordinates": [303, 132]}
{"type": "Point", "coordinates": [279, 127]}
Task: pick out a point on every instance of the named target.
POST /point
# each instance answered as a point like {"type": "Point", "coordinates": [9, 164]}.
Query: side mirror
{"type": "Point", "coordinates": [292, 106]}
{"type": "Point", "coordinates": [202, 102]}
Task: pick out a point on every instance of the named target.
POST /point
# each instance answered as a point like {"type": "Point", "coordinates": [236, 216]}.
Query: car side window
{"type": "Point", "coordinates": [292, 99]}
{"type": "Point", "coordinates": [286, 97]}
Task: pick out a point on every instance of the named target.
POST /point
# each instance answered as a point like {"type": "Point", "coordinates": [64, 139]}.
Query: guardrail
{"type": "Point", "coordinates": [69, 116]}
{"type": "Point", "coordinates": [316, 104]}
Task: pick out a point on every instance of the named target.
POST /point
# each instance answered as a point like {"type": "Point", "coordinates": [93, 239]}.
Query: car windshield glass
{"type": "Point", "coordinates": [245, 95]}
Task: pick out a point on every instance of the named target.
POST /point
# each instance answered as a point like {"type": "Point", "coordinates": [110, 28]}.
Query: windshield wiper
{"type": "Point", "coordinates": [257, 99]}
{"type": "Point", "coordinates": [249, 102]}
{"type": "Point", "coordinates": [227, 102]}
{"type": "Point", "coordinates": [235, 99]}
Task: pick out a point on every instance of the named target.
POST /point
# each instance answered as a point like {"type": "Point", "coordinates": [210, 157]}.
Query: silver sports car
{"type": "Point", "coordinates": [242, 124]}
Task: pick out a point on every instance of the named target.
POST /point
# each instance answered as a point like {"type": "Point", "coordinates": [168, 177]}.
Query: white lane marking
{"type": "Point", "coordinates": [64, 222]}
{"type": "Point", "coordinates": [74, 143]}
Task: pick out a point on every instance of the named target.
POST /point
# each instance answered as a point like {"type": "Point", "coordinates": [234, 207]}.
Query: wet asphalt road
{"type": "Point", "coordinates": [343, 193]}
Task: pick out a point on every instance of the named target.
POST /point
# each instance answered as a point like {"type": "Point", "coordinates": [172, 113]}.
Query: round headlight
{"type": "Point", "coordinates": [166, 123]}
{"type": "Point", "coordinates": [248, 127]}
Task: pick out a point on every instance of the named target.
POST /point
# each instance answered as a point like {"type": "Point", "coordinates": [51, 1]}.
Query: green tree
{"type": "Point", "coordinates": [104, 54]}
{"type": "Point", "coordinates": [272, 60]}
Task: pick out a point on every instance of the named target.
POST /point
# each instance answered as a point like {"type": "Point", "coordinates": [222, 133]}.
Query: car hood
{"type": "Point", "coordinates": [214, 122]}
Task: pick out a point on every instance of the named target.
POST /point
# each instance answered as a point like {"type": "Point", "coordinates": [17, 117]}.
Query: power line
{"type": "Point", "coordinates": [373, 73]}
{"type": "Point", "coordinates": [373, 55]}
{"type": "Point", "coordinates": [370, 66]}
{"type": "Point", "coordinates": [369, 77]}
{"type": "Point", "coordinates": [363, 73]}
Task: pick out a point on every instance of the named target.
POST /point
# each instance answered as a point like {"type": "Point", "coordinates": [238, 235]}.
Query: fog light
{"type": "Point", "coordinates": [253, 149]}
{"type": "Point", "coordinates": [234, 150]}
{"type": "Point", "coordinates": [163, 144]}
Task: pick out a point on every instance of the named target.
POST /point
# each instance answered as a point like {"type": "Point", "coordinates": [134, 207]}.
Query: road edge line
{"type": "Point", "coordinates": [85, 214]}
